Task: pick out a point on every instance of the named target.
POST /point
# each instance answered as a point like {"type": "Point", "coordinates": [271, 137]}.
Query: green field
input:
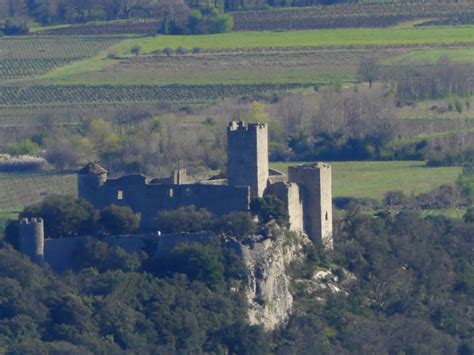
{"type": "Point", "coordinates": [374, 179]}
{"type": "Point", "coordinates": [431, 56]}
{"type": "Point", "coordinates": [313, 38]}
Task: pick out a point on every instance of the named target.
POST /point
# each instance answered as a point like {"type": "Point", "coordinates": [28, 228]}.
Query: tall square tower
{"type": "Point", "coordinates": [247, 156]}
{"type": "Point", "coordinates": [315, 184]}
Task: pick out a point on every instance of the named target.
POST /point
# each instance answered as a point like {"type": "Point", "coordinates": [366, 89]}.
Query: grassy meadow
{"type": "Point", "coordinates": [373, 179]}
{"type": "Point", "coordinates": [310, 38]}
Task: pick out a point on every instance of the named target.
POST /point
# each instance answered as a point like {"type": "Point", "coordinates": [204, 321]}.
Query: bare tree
{"type": "Point", "coordinates": [368, 70]}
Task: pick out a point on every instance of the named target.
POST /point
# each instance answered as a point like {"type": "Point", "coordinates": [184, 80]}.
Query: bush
{"type": "Point", "coordinates": [168, 51]}
{"type": "Point", "coordinates": [119, 220]}
{"type": "Point", "coordinates": [196, 50]}
{"type": "Point", "coordinates": [458, 105]}
{"type": "Point", "coordinates": [100, 255]}
{"type": "Point", "coordinates": [270, 208]}
{"type": "Point", "coordinates": [236, 224]}
{"type": "Point", "coordinates": [15, 27]}
{"type": "Point", "coordinates": [200, 262]}
{"type": "Point", "coordinates": [136, 50]}
{"type": "Point", "coordinates": [185, 219]}
{"type": "Point", "coordinates": [181, 50]}
{"type": "Point", "coordinates": [25, 147]}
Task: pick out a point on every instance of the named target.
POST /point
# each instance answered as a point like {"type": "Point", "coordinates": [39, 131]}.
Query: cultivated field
{"type": "Point", "coordinates": [30, 56]}
{"type": "Point", "coordinates": [354, 15]}
{"type": "Point", "coordinates": [20, 190]}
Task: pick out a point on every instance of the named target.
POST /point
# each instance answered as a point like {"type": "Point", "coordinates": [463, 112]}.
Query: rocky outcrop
{"type": "Point", "coordinates": [268, 289]}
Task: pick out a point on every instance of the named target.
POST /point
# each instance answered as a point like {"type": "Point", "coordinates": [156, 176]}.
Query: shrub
{"type": "Point", "coordinates": [136, 50]}
{"type": "Point", "coordinates": [196, 50]}
{"type": "Point", "coordinates": [100, 255]}
{"type": "Point", "coordinates": [394, 198]}
{"type": "Point", "coordinates": [25, 147]}
{"type": "Point", "coordinates": [469, 215]}
{"type": "Point", "coordinates": [112, 55]}
{"type": "Point", "coordinates": [458, 105]}
{"type": "Point", "coordinates": [270, 208]}
{"type": "Point", "coordinates": [197, 261]}
{"type": "Point", "coordinates": [168, 51]}
{"type": "Point", "coordinates": [236, 224]}
{"type": "Point", "coordinates": [15, 27]}
{"type": "Point", "coordinates": [181, 50]}
{"type": "Point", "coordinates": [119, 220]}
{"type": "Point", "coordinates": [184, 219]}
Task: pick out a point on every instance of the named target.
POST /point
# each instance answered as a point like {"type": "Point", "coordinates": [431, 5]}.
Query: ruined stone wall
{"type": "Point", "coordinates": [289, 193]}
{"type": "Point", "coordinates": [59, 254]}
{"type": "Point", "coordinates": [247, 156]}
{"type": "Point", "coordinates": [145, 198]}
{"type": "Point", "coordinates": [315, 184]}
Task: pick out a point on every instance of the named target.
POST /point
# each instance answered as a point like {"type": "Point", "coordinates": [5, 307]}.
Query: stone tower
{"type": "Point", "coordinates": [247, 156]}
{"type": "Point", "coordinates": [315, 183]}
{"type": "Point", "coordinates": [89, 179]}
{"type": "Point", "coordinates": [32, 239]}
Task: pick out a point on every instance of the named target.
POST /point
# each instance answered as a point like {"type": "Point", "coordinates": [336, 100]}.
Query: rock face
{"type": "Point", "coordinates": [268, 289]}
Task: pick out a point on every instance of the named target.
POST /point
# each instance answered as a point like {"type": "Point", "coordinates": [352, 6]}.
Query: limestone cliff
{"type": "Point", "coordinates": [268, 288]}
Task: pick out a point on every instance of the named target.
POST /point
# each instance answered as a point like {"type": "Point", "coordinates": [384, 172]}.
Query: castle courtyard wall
{"type": "Point", "coordinates": [147, 199]}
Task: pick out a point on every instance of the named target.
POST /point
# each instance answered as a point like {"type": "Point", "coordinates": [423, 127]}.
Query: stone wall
{"type": "Point", "coordinates": [147, 198]}
{"type": "Point", "coordinates": [315, 183]}
{"type": "Point", "coordinates": [289, 193]}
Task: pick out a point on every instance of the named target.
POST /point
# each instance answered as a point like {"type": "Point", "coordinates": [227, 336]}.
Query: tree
{"type": "Point", "coordinates": [119, 220]}
{"type": "Point", "coordinates": [195, 21]}
{"type": "Point", "coordinates": [270, 208]}
{"type": "Point", "coordinates": [221, 23]}
{"type": "Point", "coordinates": [368, 70]}
{"type": "Point", "coordinates": [15, 27]}
{"type": "Point", "coordinates": [236, 224]}
{"type": "Point", "coordinates": [196, 260]}
{"type": "Point", "coordinates": [136, 50]}
{"type": "Point", "coordinates": [184, 219]}
{"type": "Point", "coordinates": [64, 216]}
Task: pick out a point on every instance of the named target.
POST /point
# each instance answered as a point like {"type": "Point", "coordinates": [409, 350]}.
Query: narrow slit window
{"type": "Point", "coordinates": [119, 195]}
{"type": "Point", "coordinates": [327, 217]}
{"type": "Point", "coordinates": [171, 193]}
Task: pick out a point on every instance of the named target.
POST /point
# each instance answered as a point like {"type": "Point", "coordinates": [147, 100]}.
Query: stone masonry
{"type": "Point", "coordinates": [306, 191]}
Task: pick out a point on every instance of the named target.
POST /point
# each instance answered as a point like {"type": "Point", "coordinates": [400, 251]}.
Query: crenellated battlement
{"type": "Point", "coordinates": [32, 238]}
{"type": "Point", "coordinates": [31, 221]}
{"type": "Point", "coordinates": [243, 126]}
{"type": "Point", "coordinates": [247, 155]}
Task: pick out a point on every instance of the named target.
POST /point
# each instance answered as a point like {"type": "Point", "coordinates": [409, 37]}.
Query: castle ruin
{"type": "Point", "coordinates": [306, 192]}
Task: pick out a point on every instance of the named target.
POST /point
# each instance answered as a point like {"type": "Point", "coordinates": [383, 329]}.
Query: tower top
{"type": "Point", "coordinates": [244, 126]}
{"type": "Point", "coordinates": [31, 220]}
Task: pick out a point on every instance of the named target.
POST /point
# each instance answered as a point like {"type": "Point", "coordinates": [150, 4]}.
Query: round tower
{"type": "Point", "coordinates": [89, 180]}
{"type": "Point", "coordinates": [32, 239]}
